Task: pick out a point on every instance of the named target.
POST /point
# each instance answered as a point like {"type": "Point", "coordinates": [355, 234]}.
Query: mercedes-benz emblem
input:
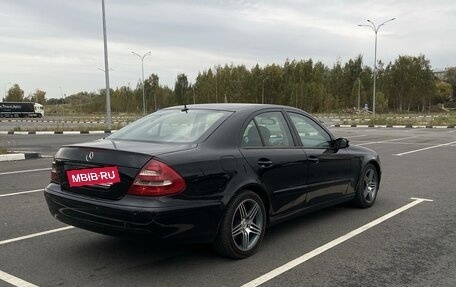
{"type": "Point", "coordinates": [89, 156]}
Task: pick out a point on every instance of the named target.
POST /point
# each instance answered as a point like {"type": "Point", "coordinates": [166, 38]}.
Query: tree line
{"type": "Point", "coordinates": [407, 84]}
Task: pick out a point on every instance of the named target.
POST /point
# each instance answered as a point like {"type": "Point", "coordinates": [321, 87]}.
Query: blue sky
{"type": "Point", "coordinates": [57, 45]}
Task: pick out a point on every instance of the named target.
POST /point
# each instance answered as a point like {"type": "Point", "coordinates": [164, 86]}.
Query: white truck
{"type": "Point", "coordinates": [21, 110]}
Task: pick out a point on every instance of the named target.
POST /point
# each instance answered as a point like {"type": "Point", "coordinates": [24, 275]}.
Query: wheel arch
{"type": "Point", "coordinates": [376, 164]}
{"type": "Point", "coordinates": [259, 190]}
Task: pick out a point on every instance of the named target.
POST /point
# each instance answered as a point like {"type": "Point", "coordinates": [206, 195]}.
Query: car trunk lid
{"type": "Point", "coordinates": [126, 156]}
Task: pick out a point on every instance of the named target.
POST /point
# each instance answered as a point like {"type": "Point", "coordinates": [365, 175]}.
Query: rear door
{"type": "Point", "coordinates": [279, 164]}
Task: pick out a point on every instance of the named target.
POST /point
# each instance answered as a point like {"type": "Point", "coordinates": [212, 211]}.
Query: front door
{"type": "Point", "coordinates": [328, 168]}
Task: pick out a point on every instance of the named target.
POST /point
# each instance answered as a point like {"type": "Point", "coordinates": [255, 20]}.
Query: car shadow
{"type": "Point", "coordinates": [143, 247]}
{"type": "Point", "coordinates": [133, 262]}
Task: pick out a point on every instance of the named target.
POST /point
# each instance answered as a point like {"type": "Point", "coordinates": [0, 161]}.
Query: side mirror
{"type": "Point", "coordinates": [341, 143]}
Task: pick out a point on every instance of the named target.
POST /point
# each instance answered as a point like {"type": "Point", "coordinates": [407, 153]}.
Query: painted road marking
{"type": "Point", "coordinates": [386, 141]}
{"type": "Point", "coordinates": [24, 171]}
{"type": "Point", "coordinates": [426, 148]}
{"type": "Point", "coordinates": [35, 235]}
{"type": "Point", "coordinates": [21, 192]}
{"type": "Point", "coordinates": [13, 280]}
{"type": "Point", "coordinates": [399, 143]}
{"type": "Point", "coordinates": [358, 136]}
{"type": "Point", "coordinates": [290, 265]}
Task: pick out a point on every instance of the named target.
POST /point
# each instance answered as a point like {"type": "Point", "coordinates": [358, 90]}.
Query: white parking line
{"type": "Point", "coordinates": [287, 266]}
{"type": "Point", "coordinates": [35, 235]}
{"type": "Point", "coordinates": [21, 192]}
{"type": "Point", "coordinates": [13, 280]}
{"type": "Point", "coordinates": [393, 140]}
{"type": "Point", "coordinates": [358, 136]}
{"type": "Point", "coordinates": [24, 171]}
{"type": "Point", "coordinates": [426, 148]}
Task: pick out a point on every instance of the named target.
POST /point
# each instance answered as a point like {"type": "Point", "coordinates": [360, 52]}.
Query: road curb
{"type": "Point", "coordinates": [19, 156]}
{"type": "Point", "coordinates": [394, 126]}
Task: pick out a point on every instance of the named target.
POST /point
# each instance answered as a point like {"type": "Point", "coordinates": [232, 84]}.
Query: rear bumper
{"type": "Point", "coordinates": [162, 219]}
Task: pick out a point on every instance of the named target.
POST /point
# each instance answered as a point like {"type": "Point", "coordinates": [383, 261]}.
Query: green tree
{"type": "Point", "coordinates": [319, 88]}
{"type": "Point", "coordinates": [381, 102]}
{"type": "Point", "coordinates": [15, 94]}
{"type": "Point", "coordinates": [151, 84]}
{"type": "Point", "coordinates": [450, 77]}
{"type": "Point", "coordinates": [255, 81]}
{"type": "Point", "coordinates": [335, 84]}
{"type": "Point", "coordinates": [444, 92]}
{"type": "Point", "coordinates": [38, 97]}
{"type": "Point", "coordinates": [304, 79]}
{"type": "Point", "coordinates": [166, 96]}
{"type": "Point", "coordinates": [410, 83]}
{"type": "Point", "coordinates": [205, 85]}
{"type": "Point", "coordinates": [238, 87]}
{"type": "Point", "coordinates": [180, 89]}
{"type": "Point", "coordinates": [272, 85]}
{"type": "Point", "coordinates": [406, 84]}
{"type": "Point", "coordinates": [350, 82]}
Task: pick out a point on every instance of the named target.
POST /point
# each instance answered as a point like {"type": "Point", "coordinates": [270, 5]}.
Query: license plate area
{"type": "Point", "coordinates": [97, 177]}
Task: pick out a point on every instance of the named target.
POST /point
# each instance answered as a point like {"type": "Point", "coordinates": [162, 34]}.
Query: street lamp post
{"type": "Point", "coordinates": [375, 29]}
{"type": "Point", "coordinates": [142, 69]}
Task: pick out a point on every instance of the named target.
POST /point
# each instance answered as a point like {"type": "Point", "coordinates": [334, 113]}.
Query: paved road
{"type": "Point", "coordinates": [47, 145]}
{"type": "Point", "coordinates": [61, 123]}
{"type": "Point", "coordinates": [416, 247]}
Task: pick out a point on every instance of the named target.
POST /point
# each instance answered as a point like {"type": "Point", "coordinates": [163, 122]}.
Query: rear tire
{"type": "Point", "coordinates": [243, 226]}
{"type": "Point", "coordinates": [367, 189]}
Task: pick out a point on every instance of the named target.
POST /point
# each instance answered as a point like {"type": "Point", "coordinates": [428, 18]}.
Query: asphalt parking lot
{"type": "Point", "coordinates": [407, 239]}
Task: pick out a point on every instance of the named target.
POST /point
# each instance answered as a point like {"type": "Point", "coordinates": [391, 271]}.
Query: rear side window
{"type": "Point", "coordinates": [172, 126]}
{"type": "Point", "coordinates": [267, 130]}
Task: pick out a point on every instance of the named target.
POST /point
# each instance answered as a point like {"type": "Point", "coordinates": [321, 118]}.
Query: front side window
{"type": "Point", "coordinates": [267, 130]}
{"type": "Point", "coordinates": [172, 126]}
{"type": "Point", "coordinates": [311, 134]}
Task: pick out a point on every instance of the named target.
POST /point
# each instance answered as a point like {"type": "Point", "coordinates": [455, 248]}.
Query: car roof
{"type": "Point", "coordinates": [233, 106]}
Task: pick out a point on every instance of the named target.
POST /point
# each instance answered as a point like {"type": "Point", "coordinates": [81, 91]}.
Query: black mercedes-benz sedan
{"type": "Point", "coordinates": [218, 173]}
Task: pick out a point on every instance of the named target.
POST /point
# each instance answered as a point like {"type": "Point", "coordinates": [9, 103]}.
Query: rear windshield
{"type": "Point", "coordinates": [172, 126]}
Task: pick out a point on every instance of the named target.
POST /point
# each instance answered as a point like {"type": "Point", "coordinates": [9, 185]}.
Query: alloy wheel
{"type": "Point", "coordinates": [247, 225]}
{"type": "Point", "coordinates": [370, 184]}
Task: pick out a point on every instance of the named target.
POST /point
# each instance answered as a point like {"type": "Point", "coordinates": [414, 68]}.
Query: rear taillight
{"type": "Point", "coordinates": [54, 174]}
{"type": "Point", "coordinates": [157, 179]}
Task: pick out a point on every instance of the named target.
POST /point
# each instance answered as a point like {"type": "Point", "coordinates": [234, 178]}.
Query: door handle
{"type": "Point", "coordinates": [264, 162]}
{"type": "Point", "coordinates": [314, 159]}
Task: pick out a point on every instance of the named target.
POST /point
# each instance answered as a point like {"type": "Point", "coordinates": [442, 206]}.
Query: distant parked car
{"type": "Point", "coordinates": [218, 173]}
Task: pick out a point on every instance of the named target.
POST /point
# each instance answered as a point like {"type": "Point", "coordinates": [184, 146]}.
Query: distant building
{"type": "Point", "coordinates": [440, 74]}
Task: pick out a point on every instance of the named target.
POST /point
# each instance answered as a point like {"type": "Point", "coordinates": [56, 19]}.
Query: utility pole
{"type": "Point", "coordinates": [106, 70]}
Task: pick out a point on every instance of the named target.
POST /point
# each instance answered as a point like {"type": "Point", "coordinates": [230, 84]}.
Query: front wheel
{"type": "Point", "coordinates": [243, 226]}
{"type": "Point", "coordinates": [367, 189]}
